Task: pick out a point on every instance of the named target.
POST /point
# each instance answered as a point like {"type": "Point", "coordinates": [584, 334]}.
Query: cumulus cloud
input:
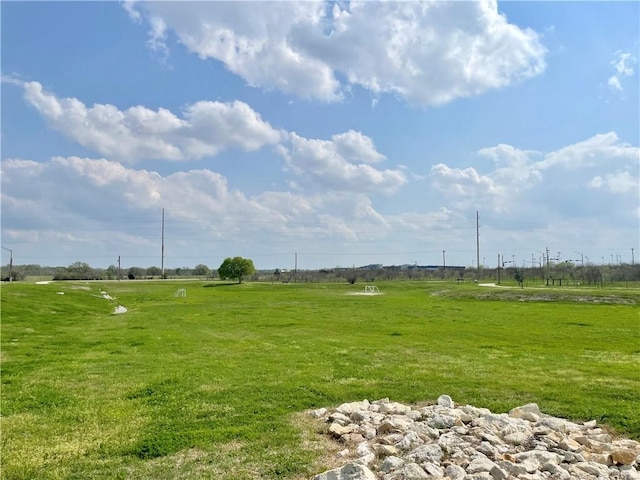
{"type": "Point", "coordinates": [428, 52]}
{"type": "Point", "coordinates": [623, 64]}
{"type": "Point", "coordinates": [340, 164]}
{"type": "Point", "coordinates": [203, 207]}
{"type": "Point", "coordinates": [521, 178]}
{"type": "Point", "coordinates": [618, 182]}
{"type": "Point", "coordinates": [204, 129]}
{"type": "Point", "coordinates": [601, 149]}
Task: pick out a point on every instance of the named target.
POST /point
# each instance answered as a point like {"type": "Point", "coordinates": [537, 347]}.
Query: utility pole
{"type": "Point", "coordinates": [632, 258]}
{"type": "Point", "coordinates": [444, 263]}
{"type": "Point", "coordinates": [295, 267]}
{"type": "Point", "coordinates": [478, 239]}
{"type": "Point", "coordinates": [162, 260]}
{"type": "Point", "coordinates": [547, 250]}
{"type": "Point", "coordinates": [118, 267]}
{"type": "Point", "coordinates": [10, 263]}
{"type": "Point", "coordinates": [498, 268]}
{"type": "Point", "coordinates": [581, 258]}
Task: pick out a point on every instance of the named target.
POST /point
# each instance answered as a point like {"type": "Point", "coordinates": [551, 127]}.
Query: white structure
{"type": "Point", "coordinates": [371, 289]}
{"type": "Point", "coordinates": [181, 292]}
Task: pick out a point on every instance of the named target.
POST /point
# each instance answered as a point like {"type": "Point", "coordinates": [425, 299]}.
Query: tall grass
{"type": "Point", "coordinates": [211, 385]}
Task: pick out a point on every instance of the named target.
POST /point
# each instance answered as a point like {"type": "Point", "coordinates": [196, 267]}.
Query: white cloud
{"type": "Point", "coordinates": [618, 182]}
{"type": "Point", "coordinates": [429, 52]}
{"type": "Point", "coordinates": [557, 181]}
{"type": "Point", "coordinates": [355, 146]}
{"type": "Point", "coordinates": [116, 208]}
{"type": "Point", "coordinates": [623, 65]}
{"type": "Point", "coordinates": [614, 83]}
{"type": "Point", "coordinates": [334, 164]}
{"type": "Point", "coordinates": [599, 150]}
{"type": "Point", "coordinates": [205, 129]}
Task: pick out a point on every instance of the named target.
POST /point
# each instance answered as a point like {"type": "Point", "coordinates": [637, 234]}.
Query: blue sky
{"type": "Point", "coordinates": [346, 132]}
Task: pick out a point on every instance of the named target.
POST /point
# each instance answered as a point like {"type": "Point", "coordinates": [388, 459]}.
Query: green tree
{"type": "Point", "coordinates": [154, 271]}
{"type": "Point", "coordinates": [236, 268]}
{"type": "Point", "coordinates": [201, 270]}
{"type": "Point", "coordinates": [112, 272]}
{"type": "Point", "coordinates": [81, 271]}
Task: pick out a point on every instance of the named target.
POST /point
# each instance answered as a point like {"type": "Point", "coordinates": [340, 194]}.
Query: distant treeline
{"type": "Point", "coordinates": [564, 273]}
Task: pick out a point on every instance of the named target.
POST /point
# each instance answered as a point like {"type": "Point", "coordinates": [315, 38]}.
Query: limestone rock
{"type": "Point", "coordinates": [469, 443]}
{"type": "Point", "coordinates": [351, 471]}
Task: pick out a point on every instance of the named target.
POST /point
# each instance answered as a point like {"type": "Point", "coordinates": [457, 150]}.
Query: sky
{"type": "Point", "coordinates": [330, 134]}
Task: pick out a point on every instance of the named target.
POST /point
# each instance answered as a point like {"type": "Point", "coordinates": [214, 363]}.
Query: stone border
{"type": "Point", "coordinates": [386, 440]}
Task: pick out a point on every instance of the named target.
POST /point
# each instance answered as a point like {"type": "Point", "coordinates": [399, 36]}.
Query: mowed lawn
{"type": "Point", "coordinates": [212, 385]}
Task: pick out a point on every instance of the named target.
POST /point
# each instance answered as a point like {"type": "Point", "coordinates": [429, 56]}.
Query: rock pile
{"type": "Point", "coordinates": [387, 440]}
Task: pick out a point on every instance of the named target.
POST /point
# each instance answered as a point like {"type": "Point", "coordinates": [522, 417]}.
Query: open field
{"type": "Point", "coordinates": [211, 385]}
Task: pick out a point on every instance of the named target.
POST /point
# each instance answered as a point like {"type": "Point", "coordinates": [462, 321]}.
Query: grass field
{"type": "Point", "coordinates": [212, 385]}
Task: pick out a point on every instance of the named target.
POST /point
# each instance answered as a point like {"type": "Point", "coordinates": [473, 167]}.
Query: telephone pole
{"type": "Point", "coordinates": [632, 257]}
{"type": "Point", "coordinates": [119, 268]}
{"type": "Point", "coordinates": [478, 239]}
{"type": "Point", "coordinates": [162, 260]}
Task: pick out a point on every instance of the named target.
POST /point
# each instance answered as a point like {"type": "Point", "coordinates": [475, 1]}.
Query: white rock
{"type": "Point", "coordinates": [593, 468]}
{"type": "Point", "coordinates": [427, 453]}
{"type": "Point", "coordinates": [480, 463]}
{"type": "Point", "coordinates": [445, 401]}
{"type": "Point", "coordinates": [349, 408]}
{"type": "Point", "coordinates": [363, 449]}
{"type": "Point", "coordinates": [351, 471]}
{"type": "Point", "coordinates": [320, 412]}
{"type": "Point", "coordinates": [455, 472]}
{"type": "Point", "coordinates": [410, 440]}
{"type": "Point", "coordinates": [366, 459]}
{"type": "Point", "coordinates": [526, 410]}
{"type": "Point", "coordinates": [414, 471]}
{"type": "Point", "coordinates": [391, 463]}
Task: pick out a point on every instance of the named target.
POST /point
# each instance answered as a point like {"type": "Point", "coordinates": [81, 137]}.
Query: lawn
{"type": "Point", "coordinates": [212, 385]}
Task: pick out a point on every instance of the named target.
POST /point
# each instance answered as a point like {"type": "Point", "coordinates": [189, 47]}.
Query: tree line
{"type": "Point", "coordinates": [239, 269]}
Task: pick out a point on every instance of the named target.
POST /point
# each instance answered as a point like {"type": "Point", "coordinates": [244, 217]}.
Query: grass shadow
{"type": "Point", "coordinates": [214, 285]}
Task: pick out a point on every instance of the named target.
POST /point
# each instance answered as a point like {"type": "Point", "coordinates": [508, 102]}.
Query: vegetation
{"type": "Point", "coordinates": [566, 273]}
{"type": "Point", "coordinates": [236, 268]}
{"type": "Point", "coordinates": [211, 385]}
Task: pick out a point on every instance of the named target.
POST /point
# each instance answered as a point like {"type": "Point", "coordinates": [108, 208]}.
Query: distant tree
{"type": "Point", "coordinates": [154, 272]}
{"type": "Point", "coordinates": [201, 270]}
{"type": "Point", "coordinates": [80, 271]}
{"type": "Point", "coordinates": [135, 272]}
{"type": "Point", "coordinates": [518, 274]}
{"type": "Point", "coordinates": [592, 275]}
{"type": "Point", "coordinates": [236, 268]}
{"type": "Point", "coordinates": [112, 272]}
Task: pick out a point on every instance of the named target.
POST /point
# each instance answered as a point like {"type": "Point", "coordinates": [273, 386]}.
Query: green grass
{"type": "Point", "coordinates": [211, 385]}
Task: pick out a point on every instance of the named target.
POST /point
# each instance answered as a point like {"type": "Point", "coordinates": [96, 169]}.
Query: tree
{"type": "Point", "coordinates": [201, 270]}
{"type": "Point", "coordinates": [112, 272]}
{"type": "Point", "coordinates": [154, 272]}
{"type": "Point", "coordinates": [236, 268]}
{"type": "Point", "coordinates": [519, 276]}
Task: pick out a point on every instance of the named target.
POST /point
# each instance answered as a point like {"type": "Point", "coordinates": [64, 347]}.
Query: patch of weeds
{"type": "Point", "coordinates": [40, 398]}
{"type": "Point", "coordinates": [157, 393]}
{"type": "Point", "coordinates": [162, 440]}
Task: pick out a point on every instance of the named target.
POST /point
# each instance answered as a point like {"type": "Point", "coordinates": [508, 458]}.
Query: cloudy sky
{"type": "Point", "coordinates": [347, 133]}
